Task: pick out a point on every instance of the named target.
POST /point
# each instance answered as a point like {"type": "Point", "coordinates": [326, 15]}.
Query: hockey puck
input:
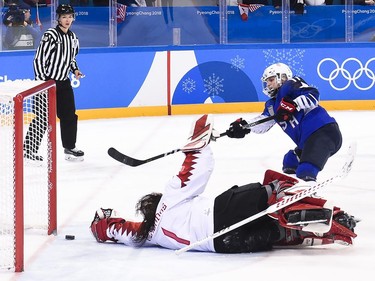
{"type": "Point", "coordinates": [70, 237]}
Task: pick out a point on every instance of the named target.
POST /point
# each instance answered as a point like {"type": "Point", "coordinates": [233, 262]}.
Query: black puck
{"type": "Point", "coordinates": [70, 237]}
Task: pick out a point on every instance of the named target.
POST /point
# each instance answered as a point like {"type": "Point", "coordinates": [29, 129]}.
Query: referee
{"type": "Point", "coordinates": [55, 58]}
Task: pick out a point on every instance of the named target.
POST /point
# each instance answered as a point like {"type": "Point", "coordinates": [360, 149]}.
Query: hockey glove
{"type": "Point", "coordinates": [99, 224]}
{"type": "Point", "coordinates": [237, 130]}
{"type": "Point", "coordinates": [286, 109]}
{"type": "Point", "coordinates": [99, 230]}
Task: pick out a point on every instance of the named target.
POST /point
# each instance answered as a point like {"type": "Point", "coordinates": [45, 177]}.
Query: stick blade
{"type": "Point", "coordinates": [125, 159]}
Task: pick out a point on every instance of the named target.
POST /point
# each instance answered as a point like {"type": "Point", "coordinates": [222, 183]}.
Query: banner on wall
{"type": "Point", "coordinates": [122, 79]}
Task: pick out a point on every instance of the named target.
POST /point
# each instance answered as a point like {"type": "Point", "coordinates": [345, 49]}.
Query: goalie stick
{"type": "Point", "coordinates": [302, 190]}
{"type": "Point", "coordinates": [130, 161]}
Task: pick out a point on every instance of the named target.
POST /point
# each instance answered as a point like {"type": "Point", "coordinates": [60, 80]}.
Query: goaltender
{"type": "Point", "coordinates": [182, 216]}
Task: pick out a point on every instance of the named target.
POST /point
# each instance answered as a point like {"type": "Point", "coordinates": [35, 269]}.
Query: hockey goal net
{"type": "Point", "coordinates": [27, 186]}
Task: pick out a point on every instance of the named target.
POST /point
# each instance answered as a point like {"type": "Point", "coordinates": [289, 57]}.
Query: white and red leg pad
{"type": "Point", "coordinates": [308, 204]}
{"type": "Point", "coordinates": [314, 233]}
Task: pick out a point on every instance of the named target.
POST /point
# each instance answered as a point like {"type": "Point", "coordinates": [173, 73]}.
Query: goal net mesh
{"type": "Point", "coordinates": [27, 185]}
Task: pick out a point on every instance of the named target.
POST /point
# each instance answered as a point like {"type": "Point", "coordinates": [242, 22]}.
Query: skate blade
{"type": "Point", "coordinates": [72, 158]}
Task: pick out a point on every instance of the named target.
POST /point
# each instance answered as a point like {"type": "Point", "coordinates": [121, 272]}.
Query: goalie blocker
{"type": "Point", "coordinates": [201, 133]}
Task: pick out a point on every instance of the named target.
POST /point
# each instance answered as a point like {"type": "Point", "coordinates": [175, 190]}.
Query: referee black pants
{"type": "Point", "coordinates": [66, 112]}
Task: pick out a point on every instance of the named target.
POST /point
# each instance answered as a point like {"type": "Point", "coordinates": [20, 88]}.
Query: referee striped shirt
{"type": "Point", "coordinates": [56, 55]}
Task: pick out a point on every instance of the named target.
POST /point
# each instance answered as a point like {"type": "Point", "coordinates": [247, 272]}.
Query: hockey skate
{"type": "Point", "coordinates": [201, 133]}
{"type": "Point", "coordinates": [346, 220]}
{"type": "Point", "coordinates": [74, 155]}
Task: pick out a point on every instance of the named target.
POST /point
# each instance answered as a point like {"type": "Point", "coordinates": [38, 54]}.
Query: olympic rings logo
{"type": "Point", "coordinates": [346, 74]}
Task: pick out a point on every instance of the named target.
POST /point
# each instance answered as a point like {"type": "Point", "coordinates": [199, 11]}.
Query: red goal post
{"type": "Point", "coordinates": [27, 188]}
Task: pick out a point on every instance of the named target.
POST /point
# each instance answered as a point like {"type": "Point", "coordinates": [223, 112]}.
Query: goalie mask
{"type": "Point", "coordinates": [273, 77]}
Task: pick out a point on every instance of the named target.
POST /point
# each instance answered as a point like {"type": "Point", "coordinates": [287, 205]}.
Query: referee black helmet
{"type": "Point", "coordinates": [64, 9]}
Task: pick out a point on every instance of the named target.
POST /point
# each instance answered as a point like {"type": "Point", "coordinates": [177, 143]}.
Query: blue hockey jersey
{"type": "Point", "coordinates": [305, 121]}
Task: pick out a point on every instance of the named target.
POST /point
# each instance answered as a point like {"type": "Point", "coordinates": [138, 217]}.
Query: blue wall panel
{"type": "Point", "coordinates": [115, 76]}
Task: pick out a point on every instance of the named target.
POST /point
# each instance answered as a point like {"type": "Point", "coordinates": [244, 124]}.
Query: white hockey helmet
{"type": "Point", "coordinates": [282, 73]}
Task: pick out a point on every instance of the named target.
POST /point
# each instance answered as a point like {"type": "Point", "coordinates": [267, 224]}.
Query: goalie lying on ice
{"type": "Point", "coordinates": [181, 215]}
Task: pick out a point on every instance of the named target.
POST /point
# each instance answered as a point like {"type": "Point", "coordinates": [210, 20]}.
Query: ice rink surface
{"type": "Point", "coordinates": [100, 181]}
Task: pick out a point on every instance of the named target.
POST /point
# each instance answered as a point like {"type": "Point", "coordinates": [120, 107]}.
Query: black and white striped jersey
{"type": "Point", "coordinates": [56, 55]}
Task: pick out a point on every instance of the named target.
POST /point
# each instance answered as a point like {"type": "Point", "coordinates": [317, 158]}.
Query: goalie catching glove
{"type": "Point", "coordinates": [100, 223]}
{"type": "Point", "coordinates": [107, 226]}
{"type": "Point", "coordinates": [237, 129]}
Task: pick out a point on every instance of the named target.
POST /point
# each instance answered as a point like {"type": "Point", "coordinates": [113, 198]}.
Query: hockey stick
{"type": "Point", "coordinates": [260, 121]}
{"type": "Point", "coordinates": [130, 161]}
{"type": "Point", "coordinates": [286, 201]}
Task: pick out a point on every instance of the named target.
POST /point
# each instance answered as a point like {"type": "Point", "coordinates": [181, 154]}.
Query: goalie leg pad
{"type": "Point", "coordinates": [340, 231]}
{"type": "Point", "coordinates": [270, 176]}
{"type": "Point", "coordinates": [308, 216]}
{"type": "Point", "coordinates": [313, 240]}
{"type": "Point", "coordinates": [338, 235]}
{"type": "Point", "coordinates": [311, 215]}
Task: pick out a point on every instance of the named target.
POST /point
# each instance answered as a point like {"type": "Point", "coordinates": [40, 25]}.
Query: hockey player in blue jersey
{"type": "Point", "coordinates": [295, 105]}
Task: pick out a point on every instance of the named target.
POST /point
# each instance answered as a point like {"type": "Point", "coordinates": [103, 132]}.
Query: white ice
{"type": "Point", "coordinates": [100, 181]}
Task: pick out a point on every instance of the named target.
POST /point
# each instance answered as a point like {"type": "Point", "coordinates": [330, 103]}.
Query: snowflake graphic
{"type": "Point", "coordinates": [213, 85]}
{"type": "Point", "coordinates": [188, 85]}
{"type": "Point", "coordinates": [292, 57]}
{"type": "Point", "coordinates": [237, 63]}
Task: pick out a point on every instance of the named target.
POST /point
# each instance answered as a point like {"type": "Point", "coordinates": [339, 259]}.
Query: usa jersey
{"type": "Point", "coordinates": [305, 121]}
